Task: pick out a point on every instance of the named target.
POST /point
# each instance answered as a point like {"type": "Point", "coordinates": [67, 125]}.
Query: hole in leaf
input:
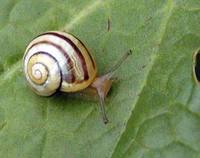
{"type": "Point", "coordinates": [196, 67]}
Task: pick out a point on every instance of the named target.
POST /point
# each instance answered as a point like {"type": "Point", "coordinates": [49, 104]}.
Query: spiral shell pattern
{"type": "Point", "coordinates": [58, 61]}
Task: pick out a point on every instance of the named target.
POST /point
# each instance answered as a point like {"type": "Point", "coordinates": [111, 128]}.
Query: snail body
{"type": "Point", "coordinates": [58, 61]}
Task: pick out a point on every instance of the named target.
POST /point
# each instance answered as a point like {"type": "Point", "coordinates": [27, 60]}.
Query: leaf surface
{"type": "Point", "coordinates": [154, 109]}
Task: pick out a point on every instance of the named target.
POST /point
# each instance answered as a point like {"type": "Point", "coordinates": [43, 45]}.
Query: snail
{"type": "Point", "coordinates": [59, 61]}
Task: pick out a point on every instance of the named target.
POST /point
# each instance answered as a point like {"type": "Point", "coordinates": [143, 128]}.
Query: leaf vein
{"type": "Point", "coordinates": [164, 23]}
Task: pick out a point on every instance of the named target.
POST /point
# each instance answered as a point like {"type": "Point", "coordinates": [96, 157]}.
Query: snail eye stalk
{"type": "Point", "coordinates": [103, 84]}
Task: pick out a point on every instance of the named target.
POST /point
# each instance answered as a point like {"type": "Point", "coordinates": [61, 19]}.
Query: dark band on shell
{"type": "Point", "coordinates": [70, 78]}
{"type": "Point", "coordinates": [76, 49]}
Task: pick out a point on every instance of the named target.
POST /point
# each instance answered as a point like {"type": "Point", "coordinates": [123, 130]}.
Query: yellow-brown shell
{"type": "Point", "coordinates": [58, 61]}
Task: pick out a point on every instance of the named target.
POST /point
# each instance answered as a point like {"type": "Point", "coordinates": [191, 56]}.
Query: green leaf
{"type": "Point", "coordinates": [154, 110]}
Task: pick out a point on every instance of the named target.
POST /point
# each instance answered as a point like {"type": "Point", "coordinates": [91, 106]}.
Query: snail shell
{"type": "Point", "coordinates": [58, 61]}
